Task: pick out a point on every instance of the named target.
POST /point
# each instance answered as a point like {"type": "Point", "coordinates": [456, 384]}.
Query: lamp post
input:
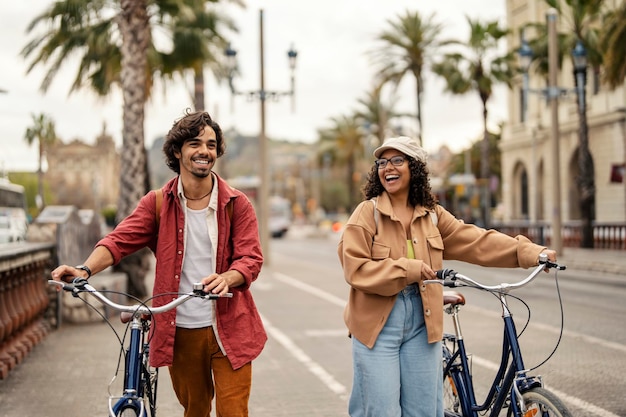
{"type": "Point", "coordinates": [262, 95]}
{"type": "Point", "coordinates": [586, 181]}
{"type": "Point", "coordinates": [552, 93]}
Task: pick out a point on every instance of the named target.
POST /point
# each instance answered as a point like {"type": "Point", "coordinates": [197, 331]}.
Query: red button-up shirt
{"type": "Point", "coordinates": [239, 325]}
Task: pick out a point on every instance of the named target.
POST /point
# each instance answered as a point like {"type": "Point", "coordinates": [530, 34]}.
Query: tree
{"type": "Point", "coordinates": [44, 133]}
{"type": "Point", "coordinates": [376, 115]}
{"type": "Point", "coordinates": [348, 137]}
{"type": "Point", "coordinates": [198, 42]}
{"type": "Point", "coordinates": [612, 41]}
{"type": "Point", "coordinates": [103, 31]}
{"type": "Point", "coordinates": [477, 68]}
{"type": "Point", "coordinates": [406, 48]}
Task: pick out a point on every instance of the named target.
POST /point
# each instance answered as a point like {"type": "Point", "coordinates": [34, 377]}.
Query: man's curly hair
{"type": "Point", "coordinates": [188, 127]}
{"type": "Point", "coordinates": [420, 193]}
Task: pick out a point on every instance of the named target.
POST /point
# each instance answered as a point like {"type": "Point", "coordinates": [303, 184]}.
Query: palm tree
{"type": "Point", "coordinates": [114, 40]}
{"type": "Point", "coordinates": [374, 113]}
{"type": "Point", "coordinates": [406, 48]}
{"type": "Point", "coordinates": [348, 136]}
{"type": "Point", "coordinates": [478, 68]}
{"type": "Point", "coordinates": [612, 43]}
{"type": "Point", "coordinates": [198, 42]}
{"type": "Point", "coordinates": [44, 133]}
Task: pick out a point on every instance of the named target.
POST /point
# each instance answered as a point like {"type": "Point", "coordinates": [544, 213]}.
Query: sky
{"type": "Point", "coordinates": [333, 71]}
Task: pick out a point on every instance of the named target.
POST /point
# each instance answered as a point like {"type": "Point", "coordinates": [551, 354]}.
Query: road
{"type": "Point", "coordinates": [305, 369]}
{"type": "Point", "coordinates": [302, 301]}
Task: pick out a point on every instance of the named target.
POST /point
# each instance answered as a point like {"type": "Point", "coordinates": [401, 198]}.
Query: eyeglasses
{"type": "Point", "coordinates": [395, 161]}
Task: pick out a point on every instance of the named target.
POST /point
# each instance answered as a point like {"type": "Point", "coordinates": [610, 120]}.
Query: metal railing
{"type": "Point", "coordinates": [605, 235]}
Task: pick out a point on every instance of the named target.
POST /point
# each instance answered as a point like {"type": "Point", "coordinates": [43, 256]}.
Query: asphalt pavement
{"type": "Point", "coordinates": [67, 374]}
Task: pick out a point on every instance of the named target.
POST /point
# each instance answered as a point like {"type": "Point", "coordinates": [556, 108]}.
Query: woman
{"type": "Point", "coordinates": [394, 240]}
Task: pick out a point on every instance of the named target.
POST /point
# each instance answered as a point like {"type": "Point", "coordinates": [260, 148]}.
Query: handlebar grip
{"type": "Point", "coordinates": [445, 274]}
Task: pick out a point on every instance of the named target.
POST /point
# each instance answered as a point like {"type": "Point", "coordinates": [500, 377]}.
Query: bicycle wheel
{"type": "Point", "coordinates": [542, 403]}
{"type": "Point", "coordinates": [451, 401]}
{"type": "Point", "coordinates": [150, 379]}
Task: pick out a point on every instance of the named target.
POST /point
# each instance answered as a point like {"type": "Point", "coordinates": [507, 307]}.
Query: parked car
{"type": "Point", "coordinates": [10, 230]}
{"type": "Point", "coordinates": [280, 216]}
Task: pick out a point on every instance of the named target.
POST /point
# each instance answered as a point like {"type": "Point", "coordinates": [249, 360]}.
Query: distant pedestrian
{"type": "Point", "coordinates": [394, 240]}
{"type": "Point", "coordinates": [204, 231]}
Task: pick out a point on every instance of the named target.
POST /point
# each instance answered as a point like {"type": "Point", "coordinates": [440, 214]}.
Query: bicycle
{"type": "Point", "coordinates": [513, 388]}
{"type": "Point", "coordinates": [139, 393]}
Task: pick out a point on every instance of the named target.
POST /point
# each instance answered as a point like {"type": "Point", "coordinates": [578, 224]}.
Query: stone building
{"type": "Point", "coordinates": [526, 145]}
{"type": "Point", "coordinates": [85, 176]}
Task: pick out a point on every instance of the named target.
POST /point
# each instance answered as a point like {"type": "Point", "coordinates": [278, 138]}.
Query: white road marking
{"type": "Point", "coordinates": [314, 367]}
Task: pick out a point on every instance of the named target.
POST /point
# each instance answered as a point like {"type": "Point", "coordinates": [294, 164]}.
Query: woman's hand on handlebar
{"type": "Point", "coordinates": [551, 256]}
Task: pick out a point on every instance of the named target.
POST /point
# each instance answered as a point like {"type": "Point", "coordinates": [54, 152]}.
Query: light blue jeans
{"type": "Point", "coordinates": [402, 375]}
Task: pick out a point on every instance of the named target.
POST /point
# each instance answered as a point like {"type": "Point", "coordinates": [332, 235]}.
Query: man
{"type": "Point", "coordinates": [205, 231]}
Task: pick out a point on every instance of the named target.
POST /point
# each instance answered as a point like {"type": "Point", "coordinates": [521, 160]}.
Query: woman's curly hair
{"type": "Point", "coordinates": [188, 127]}
{"type": "Point", "coordinates": [420, 193]}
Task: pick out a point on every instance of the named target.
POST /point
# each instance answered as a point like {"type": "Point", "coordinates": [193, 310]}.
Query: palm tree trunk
{"type": "Point", "coordinates": [419, 110]}
{"type": "Point", "coordinates": [135, 29]}
{"type": "Point", "coordinates": [585, 181]}
{"type": "Point", "coordinates": [198, 89]}
{"type": "Point", "coordinates": [40, 178]}
{"type": "Point", "coordinates": [484, 172]}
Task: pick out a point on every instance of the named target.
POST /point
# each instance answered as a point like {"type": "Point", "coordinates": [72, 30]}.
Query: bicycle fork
{"type": "Point", "coordinates": [131, 397]}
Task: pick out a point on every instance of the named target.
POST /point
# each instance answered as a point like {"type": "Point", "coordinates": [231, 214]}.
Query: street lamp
{"type": "Point", "coordinates": [262, 95]}
{"type": "Point", "coordinates": [586, 181]}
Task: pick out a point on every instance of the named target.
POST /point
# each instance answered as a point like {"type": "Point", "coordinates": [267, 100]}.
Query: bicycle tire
{"type": "Point", "coordinates": [451, 401]}
{"type": "Point", "coordinates": [151, 378]}
{"type": "Point", "coordinates": [128, 412]}
{"type": "Point", "coordinates": [544, 403]}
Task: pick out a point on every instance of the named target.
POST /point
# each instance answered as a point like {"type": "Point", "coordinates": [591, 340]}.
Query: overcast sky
{"type": "Point", "coordinates": [333, 72]}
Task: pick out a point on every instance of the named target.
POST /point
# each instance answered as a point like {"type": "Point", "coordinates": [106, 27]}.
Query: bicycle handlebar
{"type": "Point", "coordinates": [79, 285]}
{"type": "Point", "coordinates": [451, 278]}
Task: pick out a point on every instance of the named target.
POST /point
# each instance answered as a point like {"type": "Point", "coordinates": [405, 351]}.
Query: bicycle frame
{"type": "Point", "coordinates": [133, 389]}
{"type": "Point", "coordinates": [138, 348]}
{"type": "Point", "coordinates": [511, 376]}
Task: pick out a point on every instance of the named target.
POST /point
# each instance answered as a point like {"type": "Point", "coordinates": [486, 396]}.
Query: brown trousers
{"type": "Point", "coordinates": [200, 371]}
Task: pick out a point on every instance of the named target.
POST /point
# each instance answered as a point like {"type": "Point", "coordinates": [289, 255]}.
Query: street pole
{"type": "Point", "coordinates": [264, 193]}
{"type": "Point", "coordinates": [556, 243]}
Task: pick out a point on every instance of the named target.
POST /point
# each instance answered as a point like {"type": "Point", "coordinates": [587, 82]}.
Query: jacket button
{"type": "Point", "coordinates": [180, 230]}
{"type": "Point", "coordinates": [423, 287]}
{"type": "Point", "coordinates": [180, 252]}
{"type": "Point", "coordinates": [414, 240]}
{"type": "Point", "coordinates": [172, 323]}
{"type": "Point", "coordinates": [427, 312]}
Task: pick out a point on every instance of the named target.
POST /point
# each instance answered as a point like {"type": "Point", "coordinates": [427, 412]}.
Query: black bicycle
{"type": "Point", "coordinates": [514, 390]}
{"type": "Point", "coordinates": [139, 395]}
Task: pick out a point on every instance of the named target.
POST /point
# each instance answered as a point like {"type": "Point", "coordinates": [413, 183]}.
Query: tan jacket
{"type": "Point", "coordinates": [373, 257]}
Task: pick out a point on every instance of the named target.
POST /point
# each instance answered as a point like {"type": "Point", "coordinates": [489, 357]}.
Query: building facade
{"type": "Point", "coordinates": [526, 145]}
{"type": "Point", "coordinates": [83, 175]}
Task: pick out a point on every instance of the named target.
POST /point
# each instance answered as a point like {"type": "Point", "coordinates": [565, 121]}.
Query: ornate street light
{"type": "Point", "coordinates": [585, 180]}
{"type": "Point", "coordinates": [262, 95]}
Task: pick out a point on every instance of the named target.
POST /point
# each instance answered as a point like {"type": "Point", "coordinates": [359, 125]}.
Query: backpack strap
{"type": "Point", "coordinates": [433, 215]}
{"type": "Point", "coordinates": [159, 202]}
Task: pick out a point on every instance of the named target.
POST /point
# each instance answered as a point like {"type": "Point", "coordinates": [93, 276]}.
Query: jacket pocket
{"type": "Point", "coordinates": [435, 250]}
{"type": "Point", "coordinates": [380, 251]}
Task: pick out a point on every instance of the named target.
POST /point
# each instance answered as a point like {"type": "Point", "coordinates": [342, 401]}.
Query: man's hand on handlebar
{"type": "Point", "coordinates": [66, 273]}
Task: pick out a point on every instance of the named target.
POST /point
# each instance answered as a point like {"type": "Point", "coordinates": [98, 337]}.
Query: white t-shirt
{"type": "Point", "coordinates": [198, 263]}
